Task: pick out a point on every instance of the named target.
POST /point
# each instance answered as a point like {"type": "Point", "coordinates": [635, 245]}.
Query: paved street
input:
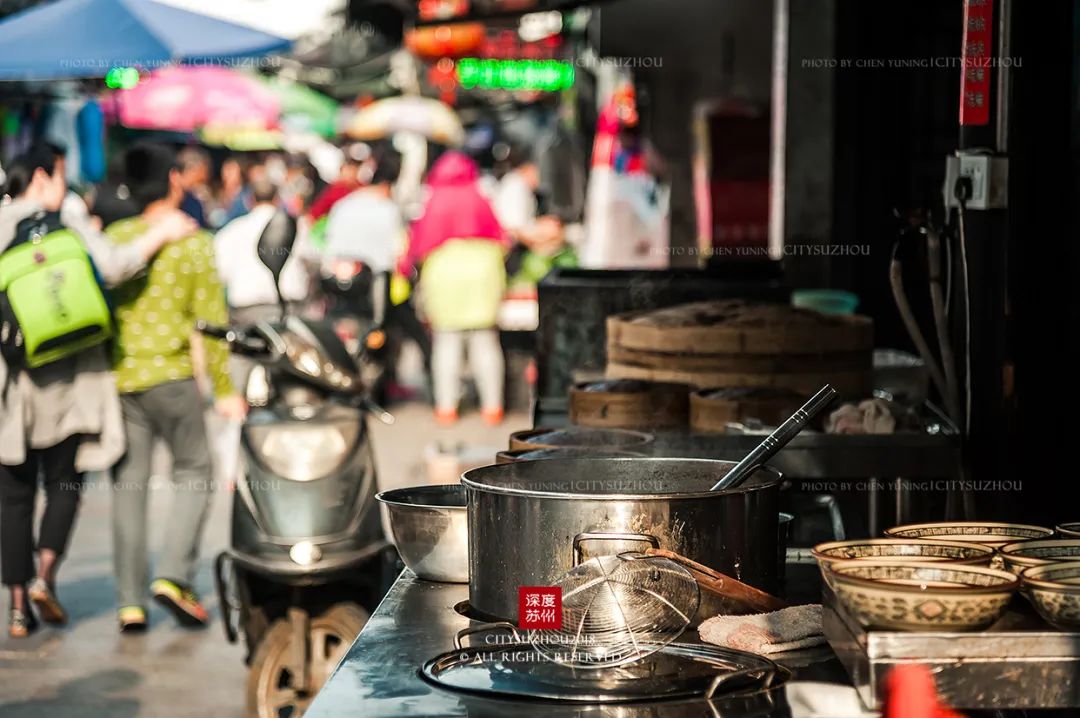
{"type": "Point", "coordinates": [89, 670]}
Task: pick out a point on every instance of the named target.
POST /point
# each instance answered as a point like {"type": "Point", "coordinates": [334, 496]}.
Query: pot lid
{"type": "Point", "coordinates": [677, 671]}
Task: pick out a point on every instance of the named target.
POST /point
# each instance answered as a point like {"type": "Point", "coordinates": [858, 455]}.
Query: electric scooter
{"type": "Point", "coordinates": [308, 558]}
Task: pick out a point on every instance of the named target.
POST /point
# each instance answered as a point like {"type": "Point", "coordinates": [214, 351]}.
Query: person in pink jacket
{"type": "Point", "coordinates": [459, 247]}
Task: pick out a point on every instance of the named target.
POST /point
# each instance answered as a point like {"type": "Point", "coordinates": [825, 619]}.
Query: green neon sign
{"type": "Point", "coordinates": [543, 75]}
{"type": "Point", "coordinates": [122, 78]}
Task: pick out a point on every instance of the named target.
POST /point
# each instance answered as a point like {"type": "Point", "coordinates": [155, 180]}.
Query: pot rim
{"type": "Point", "coordinates": [394, 497]}
{"type": "Point", "coordinates": [1011, 581]}
{"type": "Point", "coordinates": [1032, 576]}
{"type": "Point", "coordinates": [1018, 551]}
{"type": "Point", "coordinates": [905, 531]}
{"type": "Point", "coordinates": [552, 464]}
{"type": "Point", "coordinates": [982, 551]}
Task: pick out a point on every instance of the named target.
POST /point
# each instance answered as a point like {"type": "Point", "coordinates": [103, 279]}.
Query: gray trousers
{"type": "Point", "coordinates": [172, 412]}
{"type": "Point", "coordinates": [485, 360]}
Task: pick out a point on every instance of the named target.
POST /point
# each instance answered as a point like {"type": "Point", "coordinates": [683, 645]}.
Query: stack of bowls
{"type": "Point", "coordinates": [940, 576]}
{"type": "Point", "coordinates": [987, 533]}
{"type": "Point", "coordinates": [916, 584]}
{"type": "Point", "coordinates": [899, 551]}
{"type": "Point", "coordinates": [921, 596]}
{"type": "Point", "coordinates": [1054, 590]}
{"type": "Point", "coordinates": [920, 550]}
{"type": "Point", "coordinates": [1069, 530]}
{"type": "Point", "coordinates": [1050, 575]}
{"type": "Point", "coordinates": [1025, 554]}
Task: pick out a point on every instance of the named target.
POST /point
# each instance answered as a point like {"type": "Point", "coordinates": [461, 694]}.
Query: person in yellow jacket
{"type": "Point", "coordinates": [460, 247]}
{"type": "Point", "coordinates": [155, 317]}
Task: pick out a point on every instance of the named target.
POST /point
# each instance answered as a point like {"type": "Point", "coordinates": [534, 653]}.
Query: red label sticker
{"type": "Point", "coordinates": [540, 607]}
{"type": "Point", "coordinates": [976, 62]}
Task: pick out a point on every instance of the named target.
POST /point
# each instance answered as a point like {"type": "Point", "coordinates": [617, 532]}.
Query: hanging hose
{"type": "Point", "coordinates": [937, 301]}
{"type": "Point", "coordinates": [967, 320]}
{"type": "Point", "coordinates": [896, 280]}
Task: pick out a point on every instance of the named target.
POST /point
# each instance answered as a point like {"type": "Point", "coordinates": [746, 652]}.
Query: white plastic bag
{"type": "Point", "coordinates": [626, 222]}
{"type": "Point", "coordinates": [224, 439]}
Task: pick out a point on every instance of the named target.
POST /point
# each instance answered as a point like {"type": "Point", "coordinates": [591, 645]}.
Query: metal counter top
{"type": "Point", "coordinates": [415, 622]}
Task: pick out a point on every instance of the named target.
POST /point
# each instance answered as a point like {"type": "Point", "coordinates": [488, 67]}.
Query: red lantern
{"type": "Point", "coordinates": [455, 40]}
{"type": "Point", "coordinates": [442, 9]}
{"type": "Point", "coordinates": [443, 77]}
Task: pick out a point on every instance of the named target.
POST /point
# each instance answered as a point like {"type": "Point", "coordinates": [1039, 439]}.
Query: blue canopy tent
{"type": "Point", "coordinates": [86, 38]}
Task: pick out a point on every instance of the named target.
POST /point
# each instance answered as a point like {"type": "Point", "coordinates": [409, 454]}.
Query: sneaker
{"type": "Point", "coordinates": [21, 623]}
{"type": "Point", "coordinates": [43, 597]}
{"type": "Point", "coordinates": [181, 601]}
{"type": "Point", "coordinates": [132, 619]}
{"type": "Point", "coordinates": [492, 417]}
{"type": "Point", "coordinates": [446, 417]}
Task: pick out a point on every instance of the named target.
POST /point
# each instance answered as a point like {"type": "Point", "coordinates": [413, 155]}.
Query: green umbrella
{"type": "Point", "coordinates": [303, 109]}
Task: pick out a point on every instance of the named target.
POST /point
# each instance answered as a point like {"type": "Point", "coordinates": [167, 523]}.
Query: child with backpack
{"type": "Point", "coordinates": [59, 409]}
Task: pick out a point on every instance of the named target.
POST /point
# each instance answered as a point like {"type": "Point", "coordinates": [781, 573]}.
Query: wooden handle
{"type": "Point", "coordinates": [724, 585]}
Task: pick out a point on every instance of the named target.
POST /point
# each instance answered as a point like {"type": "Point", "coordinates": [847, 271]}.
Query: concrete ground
{"type": "Point", "coordinates": [88, 670]}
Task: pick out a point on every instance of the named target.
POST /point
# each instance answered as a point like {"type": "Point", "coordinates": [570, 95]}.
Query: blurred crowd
{"type": "Point", "coordinates": [172, 238]}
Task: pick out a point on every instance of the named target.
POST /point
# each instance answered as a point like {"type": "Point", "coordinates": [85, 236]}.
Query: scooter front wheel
{"type": "Point", "coordinates": [272, 686]}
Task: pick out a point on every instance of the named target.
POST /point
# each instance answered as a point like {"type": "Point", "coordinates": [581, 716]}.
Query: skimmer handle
{"type": "Point", "coordinates": [777, 440]}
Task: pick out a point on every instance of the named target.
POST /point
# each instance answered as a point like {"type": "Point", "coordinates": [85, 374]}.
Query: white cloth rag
{"type": "Point", "coordinates": [785, 630]}
{"type": "Point", "coordinates": [868, 417]}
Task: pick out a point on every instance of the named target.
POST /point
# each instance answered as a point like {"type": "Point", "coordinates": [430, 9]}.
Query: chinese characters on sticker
{"type": "Point", "coordinates": [539, 607]}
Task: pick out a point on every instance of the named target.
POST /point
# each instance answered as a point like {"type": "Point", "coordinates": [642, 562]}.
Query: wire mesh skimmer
{"type": "Point", "coordinates": [619, 609]}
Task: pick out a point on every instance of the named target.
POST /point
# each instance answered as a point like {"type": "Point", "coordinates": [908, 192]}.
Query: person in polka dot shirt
{"type": "Point", "coordinates": [155, 317]}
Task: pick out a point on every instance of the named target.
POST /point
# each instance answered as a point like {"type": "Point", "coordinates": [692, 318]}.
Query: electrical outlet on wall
{"type": "Point", "coordinates": [975, 167]}
{"type": "Point", "coordinates": [988, 175]}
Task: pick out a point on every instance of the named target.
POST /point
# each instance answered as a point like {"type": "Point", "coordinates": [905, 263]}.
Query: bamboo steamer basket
{"type": "Point", "coordinates": [738, 343]}
{"type": "Point", "coordinates": [712, 409]}
{"type": "Point", "coordinates": [630, 404]}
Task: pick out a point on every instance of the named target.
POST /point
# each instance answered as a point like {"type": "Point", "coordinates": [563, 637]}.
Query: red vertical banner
{"type": "Point", "coordinates": [976, 59]}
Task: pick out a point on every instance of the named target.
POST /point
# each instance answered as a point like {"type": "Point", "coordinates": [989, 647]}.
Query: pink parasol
{"type": "Point", "coordinates": [188, 98]}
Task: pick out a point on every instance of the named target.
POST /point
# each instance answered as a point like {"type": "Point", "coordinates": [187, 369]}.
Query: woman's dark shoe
{"type": "Point", "coordinates": [44, 599]}
{"type": "Point", "coordinates": [21, 623]}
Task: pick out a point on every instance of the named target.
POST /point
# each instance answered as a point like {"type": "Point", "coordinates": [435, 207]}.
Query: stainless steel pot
{"type": "Point", "coordinates": [531, 521]}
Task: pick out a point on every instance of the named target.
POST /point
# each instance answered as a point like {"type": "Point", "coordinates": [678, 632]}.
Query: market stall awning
{"type": "Point", "coordinates": [189, 98]}
{"type": "Point", "coordinates": [304, 109]}
{"type": "Point", "coordinates": [86, 38]}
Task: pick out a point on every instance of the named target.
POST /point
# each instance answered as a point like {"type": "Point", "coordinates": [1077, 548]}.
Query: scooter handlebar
{"type": "Point", "coordinates": [239, 340]}
{"type": "Point", "coordinates": [214, 330]}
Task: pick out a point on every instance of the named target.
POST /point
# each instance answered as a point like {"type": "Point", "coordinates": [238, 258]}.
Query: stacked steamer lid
{"type": "Point", "coordinates": [747, 359]}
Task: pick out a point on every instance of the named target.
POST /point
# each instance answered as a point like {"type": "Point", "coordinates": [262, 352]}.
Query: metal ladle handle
{"type": "Point", "coordinates": [777, 440]}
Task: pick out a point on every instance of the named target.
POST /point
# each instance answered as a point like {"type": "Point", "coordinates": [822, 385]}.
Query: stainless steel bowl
{"type": "Point", "coordinates": [430, 528]}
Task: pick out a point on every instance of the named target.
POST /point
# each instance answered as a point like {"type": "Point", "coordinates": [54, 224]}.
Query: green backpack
{"type": "Point", "coordinates": [51, 300]}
